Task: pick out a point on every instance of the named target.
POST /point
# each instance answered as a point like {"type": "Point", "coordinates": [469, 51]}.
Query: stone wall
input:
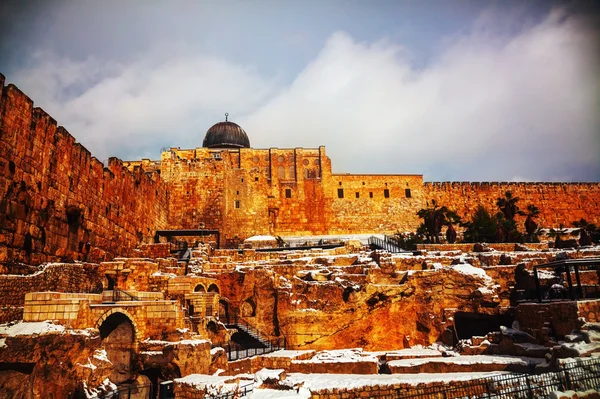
{"type": "Point", "coordinates": [561, 315]}
{"type": "Point", "coordinates": [559, 203]}
{"type": "Point", "coordinates": [57, 201]}
{"type": "Point", "coordinates": [60, 277]}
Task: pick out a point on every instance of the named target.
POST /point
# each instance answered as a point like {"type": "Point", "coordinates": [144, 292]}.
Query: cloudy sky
{"type": "Point", "coordinates": [455, 90]}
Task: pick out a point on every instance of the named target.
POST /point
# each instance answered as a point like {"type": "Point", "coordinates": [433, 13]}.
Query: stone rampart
{"type": "Point", "coordinates": [559, 203]}
{"type": "Point", "coordinates": [57, 201]}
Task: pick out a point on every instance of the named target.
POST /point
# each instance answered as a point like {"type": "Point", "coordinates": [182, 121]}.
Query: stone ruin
{"type": "Point", "coordinates": [290, 323]}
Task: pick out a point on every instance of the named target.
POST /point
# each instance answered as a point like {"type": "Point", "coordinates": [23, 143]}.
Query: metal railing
{"type": "Point", "coordinates": [239, 392]}
{"type": "Point", "coordinates": [386, 244]}
{"type": "Point", "coordinates": [120, 295]}
{"type": "Point", "coordinates": [567, 285]}
{"type": "Point", "coordinates": [579, 375]}
{"type": "Point", "coordinates": [236, 352]}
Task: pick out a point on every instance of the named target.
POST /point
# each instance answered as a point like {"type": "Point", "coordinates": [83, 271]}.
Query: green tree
{"type": "Point", "coordinates": [452, 218]}
{"type": "Point", "coordinates": [531, 227]}
{"type": "Point", "coordinates": [557, 234]}
{"type": "Point", "coordinates": [508, 205]}
{"type": "Point", "coordinates": [483, 227]}
{"type": "Point", "coordinates": [433, 220]}
{"type": "Point", "coordinates": [588, 232]}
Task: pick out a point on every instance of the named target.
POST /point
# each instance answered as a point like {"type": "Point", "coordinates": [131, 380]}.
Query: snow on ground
{"type": "Point", "coordinates": [261, 238]}
{"type": "Point", "coordinates": [101, 354]}
{"type": "Point", "coordinates": [466, 268]}
{"type": "Point", "coordinates": [412, 353]}
{"type": "Point", "coordinates": [31, 328]}
{"type": "Point", "coordinates": [192, 342]}
{"type": "Point", "coordinates": [213, 384]}
{"type": "Point", "coordinates": [316, 382]}
{"type": "Point", "coordinates": [474, 359]}
{"type": "Point", "coordinates": [2, 342]}
{"type": "Point", "coordinates": [302, 393]}
{"type": "Point", "coordinates": [341, 356]}
{"type": "Point", "coordinates": [292, 354]}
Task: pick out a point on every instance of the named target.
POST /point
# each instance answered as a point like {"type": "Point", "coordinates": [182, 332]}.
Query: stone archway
{"type": "Point", "coordinates": [200, 288]}
{"type": "Point", "coordinates": [214, 288]}
{"type": "Point", "coordinates": [248, 308]}
{"type": "Point", "coordinates": [118, 333]}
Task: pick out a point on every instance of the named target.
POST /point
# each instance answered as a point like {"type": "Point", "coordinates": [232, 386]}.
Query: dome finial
{"type": "Point", "coordinates": [226, 116]}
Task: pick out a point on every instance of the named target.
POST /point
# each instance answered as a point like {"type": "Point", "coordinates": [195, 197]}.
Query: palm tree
{"type": "Point", "coordinates": [433, 220]}
{"type": "Point", "coordinates": [508, 205]}
{"type": "Point", "coordinates": [557, 234]}
{"type": "Point", "coordinates": [452, 218]}
{"type": "Point", "coordinates": [585, 230]}
{"type": "Point", "coordinates": [531, 226]}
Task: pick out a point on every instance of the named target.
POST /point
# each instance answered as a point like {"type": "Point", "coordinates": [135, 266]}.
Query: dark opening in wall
{"type": "Point", "coordinates": [74, 218]}
{"type": "Point", "coordinates": [256, 179]}
{"type": "Point", "coordinates": [340, 193]}
{"type": "Point", "coordinates": [12, 167]}
{"type": "Point", "coordinates": [386, 193]}
{"type": "Point", "coordinates": [370, 194]}
{"type": "Point", "coordinates": [407, 192]}
{"type": "Point", "coordinates": [474, 324]}
{"type": "Point", "coordinates": [288, 193]}
{"type": "Point", "coordinates": [28, 244]}
{"type": "Point", "coordinates": [357, 194]}
{"type": "Point", "coordinates": [213, 288]}
{"type": "Point", "coordinates": [237, 204]}
{"type": "Point", "coordinates": [211, 326]}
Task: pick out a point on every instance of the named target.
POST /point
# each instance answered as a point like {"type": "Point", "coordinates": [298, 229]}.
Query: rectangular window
{"type": "Point", "coordinates": [216, 155]}
{"type": "Point", "coordinates": [407, 192]}
{"type": "Point", "coordinates": [340, 193]}
{"type": "Point", "coordinates": [237, 204]}
{"type": "Point", "coordinates": [288, 193]}
{"type": "Point", "coordinates": [357, 195]}
{"type": "Point", "coordinates": [370, 194]}
{"type": "Point", "coordinates": [256, 179]}
{"type": "Point", "coordinates": [237, 193]}
{"type": "Point", "coordinates": [386, 193]}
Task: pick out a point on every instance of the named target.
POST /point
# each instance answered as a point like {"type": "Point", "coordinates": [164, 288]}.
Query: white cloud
{"type": "Point", "coordinates": [488, 107]}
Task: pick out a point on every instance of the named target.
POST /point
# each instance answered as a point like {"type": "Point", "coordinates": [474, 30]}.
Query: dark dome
{"type": "Point", "coordinates": [226, 135]}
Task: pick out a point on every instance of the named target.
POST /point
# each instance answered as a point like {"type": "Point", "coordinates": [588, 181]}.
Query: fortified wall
{"type": "Point", "coordinates": [57, 201]}
{"type": "Point", "coordinates": [559, 203]}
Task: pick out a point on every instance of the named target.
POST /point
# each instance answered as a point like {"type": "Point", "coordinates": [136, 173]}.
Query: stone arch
{"type": "Point", "coordinates": [248, 308]}
{"type": "Point", "coordinates": [200, 288]}
{"type": "Point", "coordinates": [136, 330]}
{"type": "Point", "coordinates": [118, 335]}
{"type": "Point", "coordinates": [214, 288]}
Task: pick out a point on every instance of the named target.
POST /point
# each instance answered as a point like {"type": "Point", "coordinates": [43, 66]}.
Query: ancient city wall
{"type": "Point", "coordinates": [57, 201]}
{"type": "Point", "coordinates": [559, 203]}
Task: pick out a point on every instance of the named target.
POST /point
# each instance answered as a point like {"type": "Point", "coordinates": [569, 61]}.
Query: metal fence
{"type": "Point", "coordinates": [580, 375]}
{"type": "Point", "coordinates": [387, 244]}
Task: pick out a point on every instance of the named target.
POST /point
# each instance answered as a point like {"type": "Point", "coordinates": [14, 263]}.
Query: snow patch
{"type": "Point", "coordinates": [470, 270]}
{"type": "Point", "coordinates": [31, 328]}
